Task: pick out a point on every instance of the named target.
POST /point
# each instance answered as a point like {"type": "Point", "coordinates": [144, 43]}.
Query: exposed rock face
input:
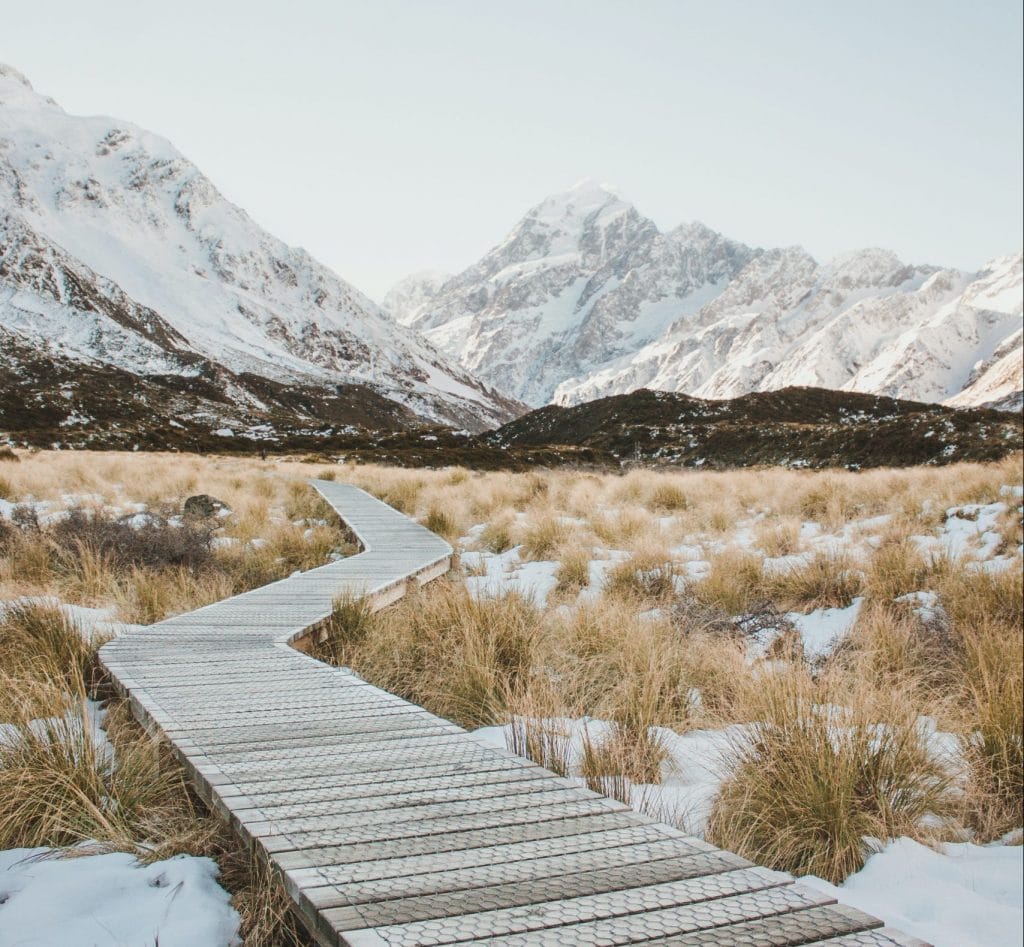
{"type": "Point", "coordinates": [582, 279]}
{"type": "Point", "coordinates": [585, 299]}
{"type": "Point", "coordinates": [116, 250]}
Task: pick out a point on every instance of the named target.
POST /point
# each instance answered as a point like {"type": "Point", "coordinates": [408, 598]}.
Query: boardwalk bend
{"type": "Point", "coordinates": [392, 826]}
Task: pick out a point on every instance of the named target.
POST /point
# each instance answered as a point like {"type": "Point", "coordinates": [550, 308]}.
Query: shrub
{"type": "Point", "coordinates": [153, 543]}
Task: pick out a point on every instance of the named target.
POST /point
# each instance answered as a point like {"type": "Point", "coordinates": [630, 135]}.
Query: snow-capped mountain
{"type": "Point", "coordinates": [116, 250]}
{"type": "Point", "coordinates": [404, 299]}
{"type": "Point", "coordinates": [581, 280]}
{"type": "Point", "coordinates": [864, 322]}
{"type": "Point", "coordinates": [585, 298]}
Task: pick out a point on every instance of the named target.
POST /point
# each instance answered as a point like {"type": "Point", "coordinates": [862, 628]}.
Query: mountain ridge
{"type": "Point", "coordinates": [568, 308]}
{"type": "Point", "coordinates": [117, 250]}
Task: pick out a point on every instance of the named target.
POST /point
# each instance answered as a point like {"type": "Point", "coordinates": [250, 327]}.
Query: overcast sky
{"type": "Point", "coordinates": [389, 136]}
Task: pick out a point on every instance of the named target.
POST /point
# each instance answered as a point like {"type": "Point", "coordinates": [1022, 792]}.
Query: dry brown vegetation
{"type": "Point", "coordinates": [834, 748]}
{"type": "Point", "coordinates": [62, 784]}
{"type": "Point", "coordinates": [797, 796]}
{"type": "Point", "coordinates": [89, 544]}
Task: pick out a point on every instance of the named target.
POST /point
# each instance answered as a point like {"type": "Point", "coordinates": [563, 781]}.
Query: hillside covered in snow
{"type": "Point", "coordinates": [118, 255]}
{"type": "Point", "coordinates": [585, 298]}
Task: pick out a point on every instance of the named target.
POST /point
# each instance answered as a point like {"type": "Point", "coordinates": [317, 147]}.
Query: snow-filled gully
{"type": "Point", "coordinates": [391, 826]}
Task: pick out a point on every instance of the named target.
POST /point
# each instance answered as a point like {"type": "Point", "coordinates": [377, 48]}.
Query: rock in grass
{"type": "Point", "coordinates": [202, 506]}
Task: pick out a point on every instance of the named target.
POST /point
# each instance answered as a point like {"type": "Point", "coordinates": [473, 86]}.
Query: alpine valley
{"type": "Point", "coordinates": [138, 307]}
{"type": "Point", "coordinates": [585, 298]}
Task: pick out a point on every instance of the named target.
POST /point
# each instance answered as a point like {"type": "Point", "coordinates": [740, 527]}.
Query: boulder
{"type": "Point", "coordinates": [202, 506]}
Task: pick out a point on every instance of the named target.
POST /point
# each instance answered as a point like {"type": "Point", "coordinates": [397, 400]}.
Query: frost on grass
{"type": "Point", "coordinates": [111, 900]}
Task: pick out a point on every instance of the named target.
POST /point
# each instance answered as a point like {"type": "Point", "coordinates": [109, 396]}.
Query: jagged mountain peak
{"type": "Point", "coordinates": [17, 92]}
{"type": "Point", "coordinates": [586, 298]}
{"type": "Point", "coordinates": [106, 228]}
{"type": "Point", "coordinates": [583, 277]}
{"type": "Point", "coordinates": [580, 200]}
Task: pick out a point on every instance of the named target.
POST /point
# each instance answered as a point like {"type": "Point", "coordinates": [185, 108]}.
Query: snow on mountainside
{"type": "Point", "coordinates": [404, 299]}
{"type": "Point", "coordinates": [116, 250]}
{"type": "Point", "coordinates": [864, 322]}
{"type": "Point", "coordinates": [582, 279]}
{"type": "Point", "coordinates": [585, 299]}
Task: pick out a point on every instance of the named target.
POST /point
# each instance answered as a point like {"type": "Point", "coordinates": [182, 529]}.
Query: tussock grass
{"type": "Point", "coordinates": [460, 657]}
{"type": "Point", "coordinates": [667, 498]}
{"type": "Point", "coordinates": [825, 580]}
{"type": "Point", "coordinates": [855, 770]}
{"type": "Point", "coordinates": [497, 535]}
{"type": "Point", "coordinates": [443, 522]}
{"type": "Point", "coordinates": [40, 643]}
{"type": "Point", "coordinates": [892, 648]}
{"type": "Point", "coordinates": [543, 538]}
{"type": "Point", "coordinates": [622, 529]}
{"type": "Point", "coordinates": [816, 773]}
{"type": "Point", "coordinates": [734, 583]}
{"type": "Point", "coordinates": [993, 739]}
{"type": "Point", "coordinates": [574, 569]}
{"type": "Point", "coordinates": [621, 759]}
{"type": "Point", "coordinates": [897, 568]}
{"type": "Point", "coordinates": [647, 576]}
{"type": "Point", "coordinates": [778, 537]}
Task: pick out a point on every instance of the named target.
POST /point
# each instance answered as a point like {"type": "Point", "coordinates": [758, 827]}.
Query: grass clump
{"type": "Point", "coordinates": [823, 581]}
{"type": "Point", "coordinates": [41, 643]}
{"type": "Point", "coordinates": [460, 657]}
{"type": "Point", "coordinates": [496, 536]}
{"type": "Point", "coordinates": [647, 576]}
{"type": "Point", "coordinates": [573, 573]}
{"type": "Point", "coordinates": [817, 772]}
{"type": "Point", "coordinates": [668, 498]}
{"type": "Point", "coordinates": [442, 522]}
{"type": "Point", "coordinates": [542, 539]}
{"type": "Point", "coordinates": [993, 741]}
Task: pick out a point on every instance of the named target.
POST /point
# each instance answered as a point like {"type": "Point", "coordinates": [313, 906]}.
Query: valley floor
{"type": "Point", "coordinates": [667, 638]}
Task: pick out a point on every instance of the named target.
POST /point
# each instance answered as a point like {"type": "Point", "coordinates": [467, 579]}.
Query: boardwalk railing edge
{"type": "Point", "coordinates": [241, 708]}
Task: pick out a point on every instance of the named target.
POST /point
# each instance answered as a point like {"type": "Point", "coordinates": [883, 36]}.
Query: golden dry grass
{"type": "Point", "coordinates": [638, 654]}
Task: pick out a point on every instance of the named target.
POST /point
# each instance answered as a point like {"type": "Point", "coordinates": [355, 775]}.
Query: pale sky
{"type": "Point", "coordinates": [388, 136]}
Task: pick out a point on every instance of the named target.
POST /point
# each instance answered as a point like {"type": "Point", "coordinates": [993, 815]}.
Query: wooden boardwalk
{"type": "Point", "coordinates": [392, 826]}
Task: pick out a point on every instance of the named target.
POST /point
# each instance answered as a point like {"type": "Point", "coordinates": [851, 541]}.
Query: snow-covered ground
{"type": "Point", "coordinates": [959, 896]}
{"type": "Point", "coordinates": [111, 900]}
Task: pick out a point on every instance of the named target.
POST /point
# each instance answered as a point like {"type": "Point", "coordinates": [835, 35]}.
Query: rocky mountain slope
{"type": "Point", "coordinates": [585, 298]}
{"type": "Point", "coordinates": [116, 253]}
{"type": "Point", "coordinates": [581, 280]}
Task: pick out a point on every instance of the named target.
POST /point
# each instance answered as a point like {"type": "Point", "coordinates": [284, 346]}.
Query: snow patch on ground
{"type": "Point", "coordinates": [111, 900]}
{"type": "Point", "coordinates": [962, 896]}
